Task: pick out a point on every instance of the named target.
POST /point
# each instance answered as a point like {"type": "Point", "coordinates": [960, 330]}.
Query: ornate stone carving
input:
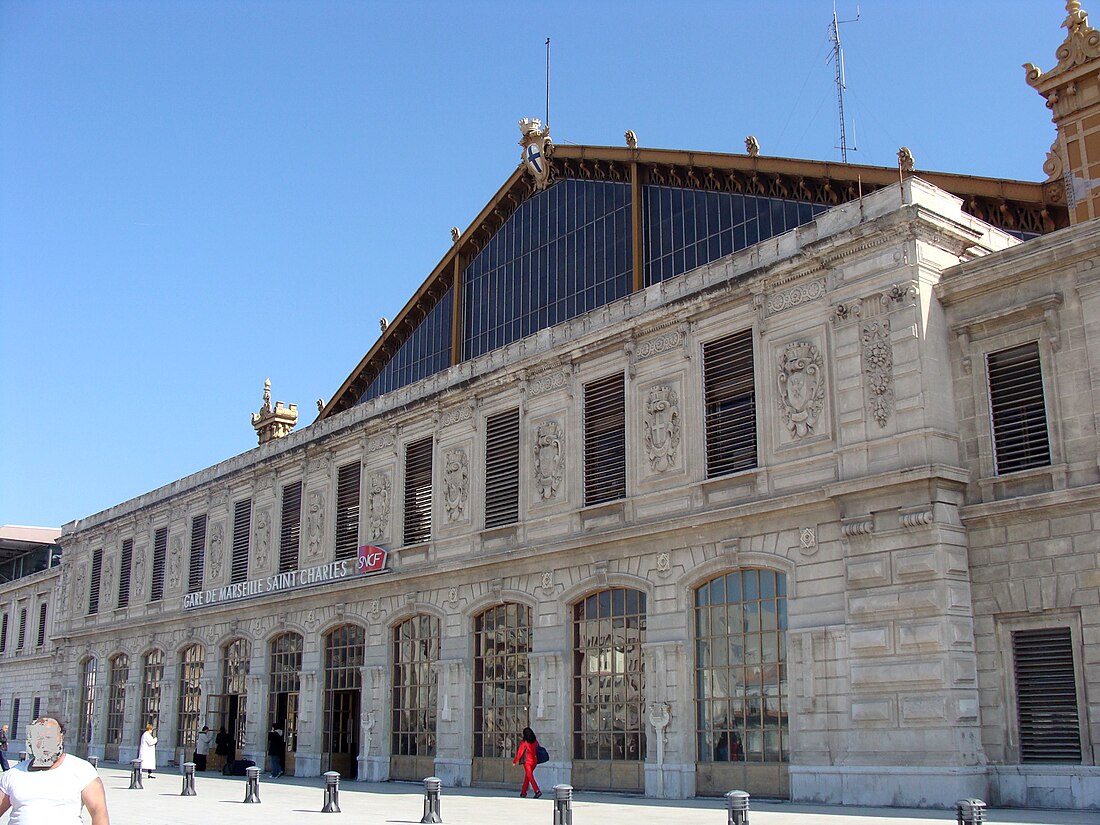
{"type": "Point", "coordinates": [545, 383]}
{"type": "Point", "coordinates": [666, 341]}
{"type": "Point", "coordinates": [175, 563]}
{"type": "Point", "coordinates": [801, 387]}
{"type": "Point", "coordinates": [537, 149]}
{"type": "Point", "coordinates": [315, 524]}
{"type": "Point", "coordinates": [1082, 44]}
{"type": "Point", "coordinates": [381, 442]}
{"type": "Point", "coordinates": [273, 422]}
{"type": "Point", "coordinates": [906, 163]}
{"type": "Point", "coordinates": [138, 584]}
{"type": "Point", "coordinates": [847, 312]}
{"type": "Point", "coordinates": [878, 366]}
{"type": "Point", "coordinates": [79, 592]}
{"type": "Point", "coordinates": [807, 537]}
{"type": "Point", "coordinates": [453, 415]}
{"type": "Point", "coordinates": [456, 483]}
{"type": "Point", "coordinates": [857, 526]}
{"type": "Point", "coordinates": [379, 505]}
{"type": "Point", "coordinates": [920, 517]}
{"type": "Point", "coordinates": [452, 597]}
{"type": "Point", "coordinates": [664, 562]}
{"type": "Point", "coordinates": [631, 138]}
{"type": "Point", "coordinates": [548, 580]}
{"type": "Point", "coordinates": [795, 295]}
{"type": "Point", "coordinates": [217, 545]}
{"type": "Point", "coordinates": [752, 146]}
{"type": "Point", "coordinates": [108, 575]}
{"type": "Point", "coordinates": [661, 425]}
{"type": "Point", "coordinates": [549, 459]}
{"type": "Point", "coordinates": [262, 538]}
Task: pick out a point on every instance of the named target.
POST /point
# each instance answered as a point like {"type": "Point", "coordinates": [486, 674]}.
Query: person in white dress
{"type": "Point", "coordinates": [147, 752]}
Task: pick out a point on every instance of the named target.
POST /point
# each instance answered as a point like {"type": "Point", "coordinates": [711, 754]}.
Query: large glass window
{"type": "Point", "coordinates": [426, 352]}
{"type": "Point", "coordinates": [152, 672]}
{"type": "Point", "coordinates": [116, 698]}
{"type": "Point", "coordinates": [235, 663]}
{"type": "Point", "coordinates": [284, 686]}
{"type": "Point", "coordinates": [190, 686]}
{"type": "Point", "coordinates": [688, 228]}
{"type": "Point", "coordinates": [87, 703]}
{"type": "Point", "coordinates": [608, 679]}
{"type": "Point", "coordinates": [415, 650]}
{"type": "Point", "coordinates": [563, 252]}
{"type": "Point", "coordinates": [344, 647]}
{"type": "Point", "coordinates": [740, 667]}
{"type": "Point", "coordinates": [502, 679]}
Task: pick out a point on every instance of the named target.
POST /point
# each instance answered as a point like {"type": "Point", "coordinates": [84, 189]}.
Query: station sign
{"type": "Point", "coordinates": [370, 561]}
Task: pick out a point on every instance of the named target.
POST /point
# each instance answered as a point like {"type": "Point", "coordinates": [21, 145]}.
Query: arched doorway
{"type": "Point", "coordinates": [344, 648]}
{"type": "Point", "coordinates": [502, 690]}
{"type": "Point", "coordinates": [116, 706]}
{"type": "Point", "coordinates": [152, 676]}
{"type": "Point", "coordinates": [415, 697]}
{"type": "Point", "coordinates": [283, 690]}
{"type": "Point", "coordinates": [190, 696]}
{"type": "Point", "coordinates": [741, 683]}
{"type": "Point", "coordinates": [228, 708]}
{"type": "Point", "coordinates": [609, 736]}
{"type": "Point", "coordinates": [87, 706]}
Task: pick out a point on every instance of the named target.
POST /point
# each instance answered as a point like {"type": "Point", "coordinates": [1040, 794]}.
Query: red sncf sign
{"type": "Point", "coordinates": [371, 559]}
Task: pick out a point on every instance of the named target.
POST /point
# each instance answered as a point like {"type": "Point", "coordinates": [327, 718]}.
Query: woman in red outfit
{"type": "Point", "coordinates": [529, 753]}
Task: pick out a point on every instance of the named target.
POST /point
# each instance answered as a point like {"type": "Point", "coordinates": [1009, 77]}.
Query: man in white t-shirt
{"type": "Point", "coordinates": [52, 786]}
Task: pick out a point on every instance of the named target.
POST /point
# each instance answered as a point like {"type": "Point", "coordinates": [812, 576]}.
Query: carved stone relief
{"type": "Point", "coordinates": [801, 387]}
{"type": "Point", "coordinates": [795, 295]}
{"type": "Point", "coordinates": [549, 459]}
{"type": "Point", "coordinates": [456, 483]}
{"type": "Point", "coordinates": [78, 591]}
{"type": "Point", "coordinates": [217, 542]}
{"type": "Point", "coordinates": [545, 383]}
{"type": "Point", "coordinates": [175, 563]}
{"type": "Point", "coordinates": [107, 577]}
{"type": "Point", "coordinates": [262, 538]}
{"type": "Point", "coordinates": [462, 412]}
{"type": "Point", "coordinates": [878, 366]}
{"type": "Point", "coordinates": [315, 524]}
{"type": "Point", "coordinates": [379, 505]}
{"type": "Point", "coordinates": [664, 342]}
{"type": "Point", "coordinates": [138, 584]}
{"type": "Point", "coordinates": [661, 425]}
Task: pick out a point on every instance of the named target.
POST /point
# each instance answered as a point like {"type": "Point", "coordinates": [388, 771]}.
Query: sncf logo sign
{"type": "Point", "coordinates": [371, 559]}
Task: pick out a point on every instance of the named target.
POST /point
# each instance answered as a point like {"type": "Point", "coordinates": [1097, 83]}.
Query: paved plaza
{"type": "Point", "coordinates": [293, 800]}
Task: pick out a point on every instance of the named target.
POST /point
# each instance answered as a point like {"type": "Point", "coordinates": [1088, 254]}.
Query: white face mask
{"type": "Point", "coordinates": [45, 742]}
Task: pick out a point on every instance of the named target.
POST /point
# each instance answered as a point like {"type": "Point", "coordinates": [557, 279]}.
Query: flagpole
{"type": "Point", "coordinates": [547, 123]}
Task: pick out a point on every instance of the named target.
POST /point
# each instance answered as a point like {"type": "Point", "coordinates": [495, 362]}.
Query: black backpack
{"type": "Point", "coordinates": [541, 755]}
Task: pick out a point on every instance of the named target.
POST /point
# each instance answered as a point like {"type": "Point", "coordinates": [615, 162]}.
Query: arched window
{"type": "Point", "coordinates": [234, 696]}
{"type": "Point", "coordinates": [415, 650]}
{"type": "Point", "coordinates": [344, 649]}
{"type": "Point", "coordinates": [152, 672]}
{"type": "Point", "coordinates": [87, 702]}
{"type": "Point", "coordinates": [190, 685]}
{"type": "Point", "coordinates": [609, 683]}
{"type": "Point", "coordinates": [740, 667]}
{"type": "Point", "coordinates": [116, 700]}
{"type": "Point", "coordinates": [502, 679]}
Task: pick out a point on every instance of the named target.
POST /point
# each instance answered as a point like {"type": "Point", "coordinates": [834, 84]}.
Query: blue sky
{"type": "Point", "coordinates": [196, 196]}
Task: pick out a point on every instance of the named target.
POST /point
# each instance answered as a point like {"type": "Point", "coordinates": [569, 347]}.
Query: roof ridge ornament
{"type": "Point", "coordinates": [536, 149]}
{"type": "Point", "coordinates": [1082, 44]}
{"type": "Point", "coordinates": [273, 422]}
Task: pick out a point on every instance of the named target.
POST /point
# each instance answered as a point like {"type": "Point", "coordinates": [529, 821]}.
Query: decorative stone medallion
{"type": "Point", "coordinates": [801, 387]}
{"type": "Point", "coordinates": [661, 425]}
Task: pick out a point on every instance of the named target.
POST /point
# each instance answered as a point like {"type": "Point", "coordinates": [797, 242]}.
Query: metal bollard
{"type": "Point", "coordinates": [94, 761]}
{"type": "Point", "coordinates": [188, 779]}
{"type": "Point", "coordinates": [970, 812]}
{"type": "Point", "coordinates": [252, 784]}
{"type": "Point", "coordinates": [563, 805]}
{"type": "Point", "coordinates": [332, 793]}
{"type": "Point", "coordinates": [135, 776]}
{"type": "Point", "coordinates": [431, 799]}
{"type": "Point", "coordinates": [737, 803]}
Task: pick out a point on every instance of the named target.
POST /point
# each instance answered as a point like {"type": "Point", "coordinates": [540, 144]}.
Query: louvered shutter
{"type": "Point", "coordinates": [22, 629]}
{"type": "Point", "coordinates": [93, 590]}
{"type": "Point", "coordinates": [605, 440]}
{"type": "Point", "coordinates": [730, 404]}
{"type": "Point", "coordinates": [347, 510]}
{"type": "Point", "coordinates": [418, 491]}
{"type": "Point", "coordinates": [502, 469]}
{"type": "Point", "coordinates": [4, 634]}
{"type": "Point", "coordinates": [1018, 409]}
{"type": "Point", "coordinates": [124, 565]}
{"type": "Point", "coordinates": [160, 551]}
{"type": "Point", "coordinates": [1046, 696]}
{"type": "Point", "coordinates": [42, 624]}
{"type": "Point", "coordinates": [290, 527]}
{"type": "Point", "coordinates": [242, 529]}
{"type": "Point", "coordinates": [198, 554]}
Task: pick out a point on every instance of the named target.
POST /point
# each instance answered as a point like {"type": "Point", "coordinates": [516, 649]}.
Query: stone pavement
{"type": "Point", "coordinates": [292, 801]}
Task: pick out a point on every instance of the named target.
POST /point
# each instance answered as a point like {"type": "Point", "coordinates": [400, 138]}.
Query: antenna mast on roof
{"type": "Point", "coordinates": [838, 61]}
{"type": "Point", "coordinates": [546, 122]}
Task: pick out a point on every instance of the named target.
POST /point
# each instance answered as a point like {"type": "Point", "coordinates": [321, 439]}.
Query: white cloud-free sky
{"type": "Point", "coordinates": [196, 196]}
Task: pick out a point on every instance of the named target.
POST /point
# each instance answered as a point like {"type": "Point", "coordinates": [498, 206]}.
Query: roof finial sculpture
{"type": "Point", "coordinates": [905, 160]}
{"type": "Point", "coordinates": [631, 139]}
{"type": "Point", "coordinates": [454, 234]}
{"type": "Point", "coordinates": [273, 422]}
{"type": "Point", "coordinates": [752, 147]}
{"type": "Point", "coordinates": [1072, 93]}
{"type": "Point", "coordinates": [383, 323]}
{"type": "Point", "coordinates": [537, 148]}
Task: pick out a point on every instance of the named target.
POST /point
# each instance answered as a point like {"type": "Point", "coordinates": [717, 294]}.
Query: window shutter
{"type": "Point", "coordinates": [198, 554]}
{"type": "Point", "coordinates": [418, 491]}
{"type": "Point", "coordinates": [1018, 409]}
{"type": "Point", "coordinates": [14, 719]}
{"type": "Point", "coordinates": [42, 624]}
{"type": "Point", "coordinates": [160, 551]}
{"type": "Point", "coordinates": [347, 510]}
{"type": "Point", "coordinates": [290, 527]}
{"type": "Point", "coordinates": [4, 633]}
{"type": "Point", "coordinates": [605, 439]}
{"type": "Point", "coordinates": [36, 708]}
{"type": "Point", "coordinates": [502, 469]}
{"type": "Point", "coordinates": [1046, 696]}
{"type": "Point", "coordinates": [242, 529]}
{"type": "Point", "coordinates": [730, 404]}
{"type": "Point", "coordinates": [22, 629]}
{"type": "Point", "coordinates": [124, 566]}
{"type": "Point", "coordinates": [93, 590]}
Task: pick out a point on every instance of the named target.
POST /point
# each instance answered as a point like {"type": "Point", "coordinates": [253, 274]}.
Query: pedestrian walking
{"type": "Point", "coordinates": [147, 752]}
{"type": "Point", "coordinates": [528, 754]}
{"type": "Point", "coordinates": [202, 747]}
{"type": "Point", "coordinates": [276, 750]}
